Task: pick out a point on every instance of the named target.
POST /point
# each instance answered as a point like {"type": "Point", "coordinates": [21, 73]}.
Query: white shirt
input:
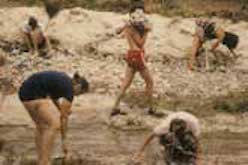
{"type": "Point", "coordinates": [27, 28]}
{"type": "Point", "coordinates": [191, 121]}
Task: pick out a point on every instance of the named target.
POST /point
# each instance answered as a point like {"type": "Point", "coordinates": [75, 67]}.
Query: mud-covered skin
{"type": "Point", "coordinates": [180, 145]}
{"type": "Point", "coordinates": [179, 150]}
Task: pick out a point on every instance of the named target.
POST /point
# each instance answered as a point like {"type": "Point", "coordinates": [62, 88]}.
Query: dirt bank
{"type": "Point", "coordinates": [232, 9]}
{"type": "Point", "coordinates": [100, 58]}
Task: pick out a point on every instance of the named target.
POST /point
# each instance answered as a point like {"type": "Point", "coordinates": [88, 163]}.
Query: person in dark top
{"type": "Point", "coordinates": [48, 97]}
{"type": "Point", "coordinates": [207, 30]}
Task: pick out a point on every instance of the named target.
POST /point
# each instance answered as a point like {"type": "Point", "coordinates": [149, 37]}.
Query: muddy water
{"type": "Point", "coordinates": [94, 142]}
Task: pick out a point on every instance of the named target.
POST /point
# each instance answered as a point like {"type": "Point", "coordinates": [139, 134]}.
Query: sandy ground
{"type": "Point", "coordinates": [224, 139]}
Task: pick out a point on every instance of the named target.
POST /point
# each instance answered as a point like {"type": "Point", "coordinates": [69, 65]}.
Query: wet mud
{"type": "Point", "coordinates": [94, 139]}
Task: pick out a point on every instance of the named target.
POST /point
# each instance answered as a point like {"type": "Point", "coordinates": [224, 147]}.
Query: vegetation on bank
{"type": "Point", "coordinates": [234, 9]}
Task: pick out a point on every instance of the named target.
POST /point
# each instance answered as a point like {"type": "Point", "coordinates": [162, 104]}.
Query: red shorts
{"type": "Point", "coordinates": [135, 59]}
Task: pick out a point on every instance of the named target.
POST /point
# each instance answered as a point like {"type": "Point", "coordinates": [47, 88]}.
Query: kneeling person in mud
{"type": "Point", "coordinates": [34, 38]}
{"type": "Point", "coordinates": [178, 134]}
{"type": "Point", "coordinates": [135, 31]}
{"type": "Point", "coordinates": [47, 97]}
{"type": "Point", "coordinates": [206, 31]}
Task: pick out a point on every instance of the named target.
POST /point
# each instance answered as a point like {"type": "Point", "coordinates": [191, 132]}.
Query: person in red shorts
{"type": "Point", "coordinates": [135, 31]}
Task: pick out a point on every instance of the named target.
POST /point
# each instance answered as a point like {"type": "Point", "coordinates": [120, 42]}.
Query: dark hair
{"type": "Point", "coordinates": [84, 84]}
{"type": "Point", "coordinates": [82, 81]}
{"type": "Point", "coordinates": [136, 5]}
{"type": "Point", "coordinates": [32, 21]}
{"type": "Point", "coordinates": [180, 122]}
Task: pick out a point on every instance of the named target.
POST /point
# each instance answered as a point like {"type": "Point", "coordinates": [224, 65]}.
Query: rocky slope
{"type": "Point", "coordinates": [83, 33]}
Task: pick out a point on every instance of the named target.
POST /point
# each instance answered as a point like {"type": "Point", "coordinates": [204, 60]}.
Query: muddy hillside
{"type": "Point", "coordinates": [83, 41]}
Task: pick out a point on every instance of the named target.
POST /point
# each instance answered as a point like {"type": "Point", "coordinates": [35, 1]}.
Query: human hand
{"type": "Point", "coordinates": [138, 158]}
{"type": "Point", "coordinates": [65, 149]}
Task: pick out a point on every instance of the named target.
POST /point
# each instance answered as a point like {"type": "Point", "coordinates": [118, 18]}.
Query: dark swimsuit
{"type": "Point", "coordinates": [230, 40]}
{"type": "Point", "coordinates": [46, 84]}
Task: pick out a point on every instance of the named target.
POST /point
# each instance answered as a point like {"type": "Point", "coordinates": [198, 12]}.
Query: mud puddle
{"type": "Point", "coordinates": [93, 142]}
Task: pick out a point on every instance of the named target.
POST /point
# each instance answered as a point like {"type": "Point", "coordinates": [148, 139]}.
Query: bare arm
{"type": "Point", "coordinates": [145, 144]}
{"type": "Point", "coordinates": [220, 33]}
{"type": "Point", "coordinates": [34, 41]}
{"type": "Point", "coordinates": [141, 41]}
{"type": "Point", "coordinates": [26, 39]}
{"type": "Point", "coordinates": [196, 44]}
{"type": "Point", "coordinates": [48, 42]}
{"type": "Point", "coordinates": [121, 29]}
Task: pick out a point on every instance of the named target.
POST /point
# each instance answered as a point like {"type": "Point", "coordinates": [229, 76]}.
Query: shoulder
{"type": "Point", "coordinates": [220, 32]}
{"type": "Point", "coordinates": [199, 32]}
{"type": "Point", "coordinates": [193, 124]}
{"type": "Point", "coordinates": [52, 75]}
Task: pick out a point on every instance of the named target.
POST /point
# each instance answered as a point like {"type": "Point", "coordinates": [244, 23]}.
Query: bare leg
{"type": "Point", "coordinates": [130, 72]}
{"type": "Point", "coordinates": [233, 53]}
{"type": "Point", "coordinates": [46, 145]}
{"type": "Point", "coordinates": [197, 44]}
{"type": "Point", "coordinates": [145, 74]}
{"type": "Point", "coordinates": [46, 118]}
{"type": "Point", "coordinates": [207, 59]}
{"type": "Point", "coordinates": [38, 133]}
{"type": "Point", "coordinates": [50, 124]}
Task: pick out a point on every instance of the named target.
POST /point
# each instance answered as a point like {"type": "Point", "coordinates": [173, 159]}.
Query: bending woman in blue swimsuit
{"type": "Point", "coordinates": [39, 93]}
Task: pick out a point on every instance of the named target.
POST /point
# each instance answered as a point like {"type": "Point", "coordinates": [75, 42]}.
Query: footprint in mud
{"type": "Point", "coordinates": [129, 121]}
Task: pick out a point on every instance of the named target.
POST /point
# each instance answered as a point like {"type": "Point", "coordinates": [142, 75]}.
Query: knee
{"type": "Point", "coordinates": [150, 84]}
{"type": "Point", "coordinates": [52, 126]}
{"type": "Point", "coordinates": [125, 84]}
{"type": "Point", "coordinates": [55, 125]}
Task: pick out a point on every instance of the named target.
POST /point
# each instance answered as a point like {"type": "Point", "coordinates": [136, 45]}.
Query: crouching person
{"type": "Point", "coordinates": [47, 97]}
{"type": "Point", "coordinates": [34, 39]}
{"type": "Point", "coordinates": [207, 30]}
{"type": "Point", "coordinates": [178, 134]}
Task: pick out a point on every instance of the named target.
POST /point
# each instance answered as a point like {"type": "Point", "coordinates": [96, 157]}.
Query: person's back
{"type": "Point", "coordinates": [180, 149]}
{"type": "Point", "coordinates": [47, 96]}
{"type": "Point", "coordinates": [207, 30]}
{"type": "Point", "coordinates": [47, 84]}
{"type": "Point", "coordinates": [178, 134]}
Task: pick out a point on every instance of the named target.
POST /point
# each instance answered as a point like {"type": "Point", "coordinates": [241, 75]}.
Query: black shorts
{"type": "Point", "coordinates": [231, 40]}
